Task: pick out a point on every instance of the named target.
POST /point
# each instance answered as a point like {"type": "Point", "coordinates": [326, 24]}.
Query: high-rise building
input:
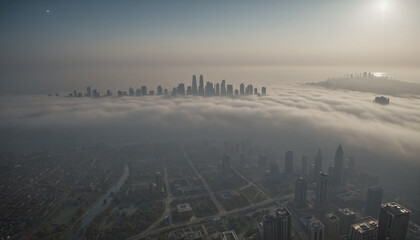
{"type": "Point", "coordinates": [88, 92]}
{"type": "Point", "coordinates": [365, 230]}
{"type": "Point", "coordinates": [332, 226]}
{"type": "Point", "coordinates": [108, 93]}
{"type": "Point", "coordinates": [249, 89]}
{"type": "Point", "coordinates": [180, 90]}
{"type": "Point", "coordinates": [304, 171]}
{"type": "Point", "coordinates": [226, 166]}
{"type": "Point", "coordinates": [209, 90]}
{"type": "Point", "coordinates": [201, 86]}
{"type": "Point", "coordinates": [339, 166]}
{"type": "Point", "coordinates": [316, 230]}
{"type": "Point", "coordinates": [229, 90]}
{"type": "Point", "coordinates": [236, 92]}
{"type": "Point", "coordinates": [317, 164]}
{"type": "Point", "coordinates": [138, 92]}
{"type": "Point", "coordinates": [288, 162]}
{"type": "Point", "coordinates": [217, 89]}
{"type": "Point", "coordinates": [159, 90]}
{"type": "Point", "coordinates": [255, 91]}
{"type": "Point", "coordinates": [143, 90]}
{"type": "Point", "coordinates": [263, 90]}
{"type": "Point", "coordinates": [393, 221]}
{"type": "Point", "coordinates": [223, 88]}
{"type": "Point", "coordinates": [242, 89]}
{"type": "Point", "coordinates": [321, 191]}
{"type": "Point", "coordinates": [194, 85]}
{"type": "Point", "coordinates": [373, 201]}
{"type": "Point", "coordinates": [278, 225]}
{"type": "Point", "coordinates": [347, 218]}
{"type": "Point", "coordinates": [131, 91]}
{"type": "Point", "coordinates": [300, 192]}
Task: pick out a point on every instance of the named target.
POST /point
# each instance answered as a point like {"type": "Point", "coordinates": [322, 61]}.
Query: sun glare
{"type": "Point", "coordinates": [383, 6]}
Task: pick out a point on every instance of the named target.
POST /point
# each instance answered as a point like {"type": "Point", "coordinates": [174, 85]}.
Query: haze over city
{"type": "Point", "coordinates": [210, 119]}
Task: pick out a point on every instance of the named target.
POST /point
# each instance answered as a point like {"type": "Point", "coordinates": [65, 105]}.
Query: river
{"type": "Point", "coordinates": [100, 205]}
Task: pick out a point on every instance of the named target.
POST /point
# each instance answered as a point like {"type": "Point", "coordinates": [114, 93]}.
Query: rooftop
{"type": "Point", "coordinates": [184, 207]}
{"type": "Point", "coordinates": [395, 208]}
{"type": "Point", "coordinates": [346, 211]}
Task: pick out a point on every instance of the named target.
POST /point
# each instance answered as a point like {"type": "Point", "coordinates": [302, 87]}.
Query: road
{"type": "Point", "coordinates": [219, 206]}
{"type": "Point", "coordinates": [252, 207]}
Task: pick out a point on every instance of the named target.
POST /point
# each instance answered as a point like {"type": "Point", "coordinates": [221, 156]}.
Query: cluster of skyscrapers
{"type": "Point", "coordinates": [383, 221]}
{"type": "Point", "coordinates": [209, 89]}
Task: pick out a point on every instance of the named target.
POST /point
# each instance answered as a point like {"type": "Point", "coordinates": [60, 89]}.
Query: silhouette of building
{"type": "Point", "coordinates": [159, 90]}
{"type": "Point", "coordinates": [277, 225]}
{"type": "Point", "coordinates": [180, 90]}
{"type": "Point", "coordinates": [288, 162]}
{"type": "Point", "coordinates": [321, 191]}
{"type": "Point", "coordinates": [316, 230]}
{"type": "Point", "coordinates": [131, 91]}
{"type": "Point", "coordinates": [393, 221]}
{"type": "Point", "coordinates": [365, 230]}
{"type": "Point", "coordinates": [228, 235]}
{"type": "Point", "coordinates": [226, 166]}
{"type": "Point", "coordinates": [223, 88]}
{"type": "Point", "coordinates": [143, 90]}
{"type": "Point", "coordinates": [88, 92]}
{"type": "Point", "coordinates": [194, 85]}
{"type": "Point", "coordinates": [339, 166]}
{"type": "Point", "coordinates": [332, 226]}
{"type": "Point", "coordinates": [317, 164]}
{"type": "Point", "coordinates": [263, 90]}
{"type": "Point", "coordinates": [217, 89]}
{"type": "Point", "coordinates": [300, 192]}
{"type": "Point", "coordinates": [201, 86]}
{"type": "Point", "coordinates": [229, 90]}
{"type": "Point", "coordinates": [242, 89]}
{"type": "Point", "coordinates": [347, 218]}
{"type": "Point", "coordinates": [108, 93]}
{"type": "Point", "coordinates": [255, 91]}
{"type": "Point", "coordinates": [373, 201]}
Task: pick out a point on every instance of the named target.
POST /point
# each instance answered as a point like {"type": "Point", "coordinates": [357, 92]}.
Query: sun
{"type": "Point", "coordinates": [383, 6]}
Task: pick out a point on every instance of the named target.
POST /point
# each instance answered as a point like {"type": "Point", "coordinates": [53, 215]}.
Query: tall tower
{"type": "Point", "coordinates": [317, 164]}
{"type": "Point", "coordinates": [278, 225]}
{"type": "Point", "coordinates": [321, 191]}
{"type": "Point", "coordinates": [365, 230]}
{"type": "Point", "coordinates": [223, 88]}
{"type": "Point", "coordinates": [332, 227]}
{"type": "Point", "coordinates": [288, 162]}
{"type": "Point", "coordinates": [393, 221]}
{"type": "Point", "coordinates": [194, 85]}
{"type": "Point", "coordinates": [201, 86]}
{"type": "Point", "coordinates": [338, 165]}
{"type": "Point", "coordinates": [316, 230]}
{"type": "Point", "coordinates": [373, 201]}
{"type": "Point", "coordinates": [347, 218]}
{"type": "Point", "coordinates": [242, 89]}
{"type": "Point", "coordinates": [300, 192]}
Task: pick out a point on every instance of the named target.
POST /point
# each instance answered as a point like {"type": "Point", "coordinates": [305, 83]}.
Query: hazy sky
{"type": "Point", "coordinates": [47, 45]}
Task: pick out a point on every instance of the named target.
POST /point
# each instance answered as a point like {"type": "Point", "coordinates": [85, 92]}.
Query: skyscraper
{"type": "Point", "coordinates": [316, 230]}
{"type": "Point", "coordinates": [277, 226]}
{"type": "Point", "coordinates": [332, 227]}
{"type": "Point", "coordinates": [304, 170]}
{"type": "Point", "coordinates": [194, 85]}
{"type": "Point", "coordinates": [373, 201]}
{"type": "Point", "coordinates": [88, 92]}
{"type": "Point", "coordinates": [180, 90]}
{"type": "Point", "coordinates": [365, 230]}
{"type": "Point", "coordinates": [300, 192]}
{"type": "Point", "coordinates": [347, 218]}
{"type": "Point", "coordinates": [143, 90]}
{"type": "Point", "coordinates": [393, 221]}
{"type": "Point", "coordinates": [242, 89]}
{"type": "Point", "coordinates": [223, 88]}
{"type": "Point", "coordinates": [263, 90]}
{"type": "Point", "coordinates": [317, 164]}
{"type": "Point", "coordinates": [159, 90]}
{"type": "Point", "coordinates": [229, 90]}
{"type": "Point", "coordinates": [201, 86]}
{"type": "Point", "coordinates": [217, 89]}
{"type": "Point", "coordinates": [338, 165]}
{"type": "Point", "coordinates": [321, 191]}
{"type": "Point", "coordinates": [288, 162]}
{"type": "Point", "coordinates": [131, 91]}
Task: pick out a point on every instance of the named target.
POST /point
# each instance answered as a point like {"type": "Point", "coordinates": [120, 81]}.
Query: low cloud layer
{"type": "Point", "coordinates": [294, 117]}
